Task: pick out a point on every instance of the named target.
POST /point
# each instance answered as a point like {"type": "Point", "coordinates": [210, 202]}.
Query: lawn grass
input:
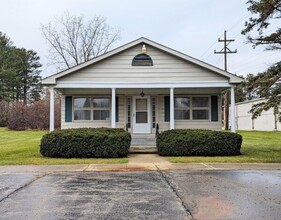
{"type": "Point", "coordinates": [257, 147]}
{"type": "Point", "coordinates": [22, 147]}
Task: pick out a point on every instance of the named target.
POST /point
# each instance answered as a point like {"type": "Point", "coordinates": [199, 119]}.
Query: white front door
{"type": "Point", "coordinates": [141, 114]}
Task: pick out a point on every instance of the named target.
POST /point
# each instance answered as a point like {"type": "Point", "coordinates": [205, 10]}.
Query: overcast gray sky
{"type": "Point", "coordinates": [192, 27]}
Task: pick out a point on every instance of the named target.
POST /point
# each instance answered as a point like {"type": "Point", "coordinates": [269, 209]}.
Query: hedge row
{"type": "Point", "coordinates": [86, 143]}
{"type": "Point", "coordinates": [195, 142]}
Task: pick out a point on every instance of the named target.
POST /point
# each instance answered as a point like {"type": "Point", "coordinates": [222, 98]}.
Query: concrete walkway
{"type": "Point", "coordinates": [147, 158]}
{"type": "Point", "coordinates": [138, 162]}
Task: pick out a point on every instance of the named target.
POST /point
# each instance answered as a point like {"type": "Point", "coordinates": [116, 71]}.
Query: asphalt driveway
{"type": "Point", "coordinates": [141, 195]}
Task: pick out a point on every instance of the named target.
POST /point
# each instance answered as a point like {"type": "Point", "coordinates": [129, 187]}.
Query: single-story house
{"type": "Point", "coordinates": [143, 87]}
{"type": "Point", "coordinates": [267, 121]}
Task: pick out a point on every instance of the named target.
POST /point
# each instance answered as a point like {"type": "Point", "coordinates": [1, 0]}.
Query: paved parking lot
{"type": "Point", "coordinates": [181, 194]}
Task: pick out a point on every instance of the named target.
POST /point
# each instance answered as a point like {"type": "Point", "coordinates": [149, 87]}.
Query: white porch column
{"type": "Point", "coordinates": [113, 108]}
{"type": "Point", "coordinates": [232, 98]}
{"type": "Point", "coordinates": [52, 108]}
{"type": "Point", "coordinates": [172, 118]}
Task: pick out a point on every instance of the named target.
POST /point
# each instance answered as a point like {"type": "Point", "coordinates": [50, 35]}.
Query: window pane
{"type": "Point", "coordinates": [101, 115]}
{"type": "Point", "coordinates": [182, 102]}
{"type": "Point", "coordinates": [200, 102]}
{"type": "Point", "coordinates": [200, 114]}
{"type": "Point", "coordinates": [141, 104]}
{"type": "Point", "coordinates": [82, 115]}
{"type": "Point", "coordinates": [101, 103]}
{"type": "Point", "coordinates": [182, 114]}
{"type": "Point", "coordinates": [82, 102]}
{"type": "Point", "coordinates": [97, 115]}
{"type": "Point", "coordinates": [105, 115]}
{"type": "Point", "coordinates": [141, 117]}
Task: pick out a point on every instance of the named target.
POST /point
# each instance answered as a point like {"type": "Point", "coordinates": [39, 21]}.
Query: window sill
{"type": "Point", "coordinates": [195, 120]}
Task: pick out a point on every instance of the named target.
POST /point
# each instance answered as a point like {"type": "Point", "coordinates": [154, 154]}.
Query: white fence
{"type": "Point", "coordinates": [266, 122]}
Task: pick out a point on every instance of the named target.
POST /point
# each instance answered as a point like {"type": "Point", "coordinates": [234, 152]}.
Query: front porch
{"type": "Point", "coordinates": [141, 111]}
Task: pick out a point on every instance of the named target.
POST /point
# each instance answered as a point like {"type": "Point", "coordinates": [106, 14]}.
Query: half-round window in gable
{"type": "Point", "coordinates": [142, 59]}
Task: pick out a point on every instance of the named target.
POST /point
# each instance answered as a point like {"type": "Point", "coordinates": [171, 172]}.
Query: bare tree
{"type": "Point", "coordinates": [73, 40]}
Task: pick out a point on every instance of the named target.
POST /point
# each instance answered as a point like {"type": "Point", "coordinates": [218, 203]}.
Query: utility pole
{"type": "Point", "coordinates": [225, 50]}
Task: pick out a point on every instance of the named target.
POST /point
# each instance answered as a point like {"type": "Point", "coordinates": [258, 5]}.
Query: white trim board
{"type": "Point", "coordinates": [124, 85]}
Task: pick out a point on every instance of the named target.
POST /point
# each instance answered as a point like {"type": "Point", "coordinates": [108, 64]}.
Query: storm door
{"type": "Point", "coordinates": [141, 114]}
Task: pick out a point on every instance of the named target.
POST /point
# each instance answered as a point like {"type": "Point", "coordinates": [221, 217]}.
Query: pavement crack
{"type": "Point", "coordinates": [24, 186]}
{"type": "Point", "coordinates": [183, 203]}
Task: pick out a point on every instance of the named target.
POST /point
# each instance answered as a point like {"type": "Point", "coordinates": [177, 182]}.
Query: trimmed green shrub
{"type": "Point", "coordinates": [86, 143]}
{"type": "Point", "coordinates": [195, 142]}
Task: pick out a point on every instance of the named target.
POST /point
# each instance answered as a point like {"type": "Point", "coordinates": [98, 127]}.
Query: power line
{"type": "Point", "coordinates": [254, 58]}
{"type": "Point", "coordinates": [231, 27]}
{"type": "Point", "coordinates": [218, 60]}
{"type": "Point", "coordinates": [208, 49]}
{"type": "Point", "coordinates": [243, 18]}
{"type": "Point", "coordinates": [242, 64]}
{"type": "Point", "coordinates": [251, 61]}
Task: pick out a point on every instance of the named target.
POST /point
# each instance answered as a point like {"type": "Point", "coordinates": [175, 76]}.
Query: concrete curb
{"type": "Point", "coordinates": [139, 167]}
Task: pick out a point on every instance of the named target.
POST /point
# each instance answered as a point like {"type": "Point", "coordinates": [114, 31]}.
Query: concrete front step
{"type": "Point", "coordinates": [143, 143]}
{"type": "Point", "coordinates": [143, 140]}
{"type": "Point", "coordinates": [143, 149]}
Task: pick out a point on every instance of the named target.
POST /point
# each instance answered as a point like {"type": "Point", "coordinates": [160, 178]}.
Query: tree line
{"type": "Point", "coordinates": [24, 104]}
{"type": "Point", "coordinates": [19, 73]}
{"type": "Point", "coordinates": [20, 84]}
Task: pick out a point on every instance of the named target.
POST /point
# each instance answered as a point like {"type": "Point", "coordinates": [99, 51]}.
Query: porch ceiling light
{"type": "Point", "coordinates": [142, 94]}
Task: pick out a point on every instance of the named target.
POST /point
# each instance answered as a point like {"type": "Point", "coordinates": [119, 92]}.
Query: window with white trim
{"type": "Point", "coordinates": [192, 108]}
{"type": "Point", "coordinates": [91, 108]}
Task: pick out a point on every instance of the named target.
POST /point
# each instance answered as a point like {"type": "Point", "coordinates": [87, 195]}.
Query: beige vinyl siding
{"type": "Point", "coordinates": [166, 68]}
{"type": "Point", "coordinates": [93, 124]}
{"type": "Point", "coordinates": [193, 124]}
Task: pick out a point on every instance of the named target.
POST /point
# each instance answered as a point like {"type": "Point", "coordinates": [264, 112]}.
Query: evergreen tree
{"type": "Point", "coordinates": [29, 87]}
{"type": "Point", "coordinates": [245, 91]}
{"type": "Point", "coordinates": [266, 10]}
{"type": "Point", "coordinates": [266, 84]}
{"type": "Point", "coordinates": [8, 76]}
{"type": "Point", "coordinates": [19, 76]}
{"type": "Point", "coordinates": [19, 73]}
